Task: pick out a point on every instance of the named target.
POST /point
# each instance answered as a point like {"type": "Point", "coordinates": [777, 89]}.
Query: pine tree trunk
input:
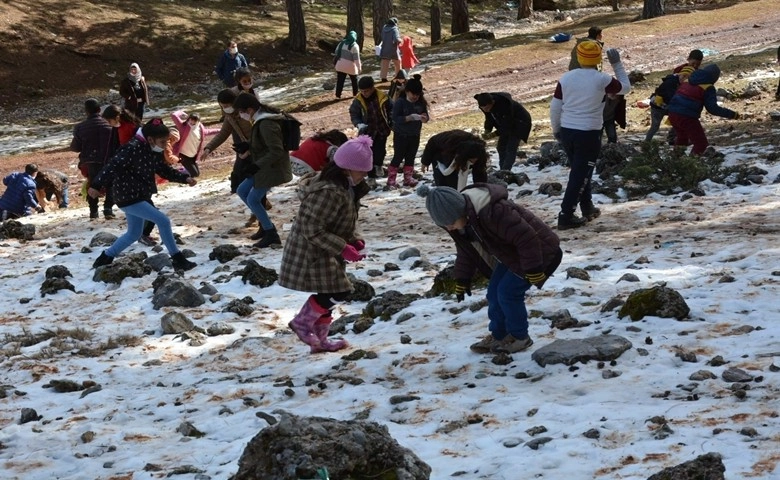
{"type": "Point", "coordinates": [383, 10]}
{"type": "Point", "coordinates": [460, 17]}
{"type": "Point", "coordinates": [435, 22]}
{"type": "Point", "coordinates": [615, 5]}
{"type": "Point", "coordinates": [526, 8]}
{"type": "Point", "coordinates": [297, 34]}
{"type": "Point", "coordinates": [355, 20]}
{"type": "Point", "coordinates": [652, 9]}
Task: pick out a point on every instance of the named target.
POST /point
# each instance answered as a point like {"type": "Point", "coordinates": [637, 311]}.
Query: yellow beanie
{"type": "Point", "coordinates": [589, 53]}
{"type": "Point", "coordinates": [687, 71]}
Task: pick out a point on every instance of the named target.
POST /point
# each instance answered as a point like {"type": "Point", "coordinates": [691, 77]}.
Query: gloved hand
{"type": "Point", "coordinates": [241, 147]}
{"type": "Point", "coordinates": [737, 116]}
{"type": "Point", "coordinates": [462, 288]}
{"type": "Point", "coordinates": [536, 278]}
{"type": "Point", "coordinates": [415, 117]}
{"type": "Point", "coordinates": [351, 254]}
{"type": "Point", "coordinates": [658, 100]}
{"type": "Point", "coordinates": [358, 244]}
{"type": "Point", "coordinates": [613, 55]}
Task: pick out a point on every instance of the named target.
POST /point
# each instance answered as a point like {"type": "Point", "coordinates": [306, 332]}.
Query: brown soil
{"type": "Point", "coordinates": [526, 66]}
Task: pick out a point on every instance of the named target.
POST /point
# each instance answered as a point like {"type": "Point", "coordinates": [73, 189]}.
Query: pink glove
{"type": "Point", "coordinates": [350, 254]}
{"type": "Point", "coordinates": [358, 244]}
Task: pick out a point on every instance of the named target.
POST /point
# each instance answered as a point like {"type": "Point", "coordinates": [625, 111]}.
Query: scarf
{"type": "Point", "coordinates": [349, 40]}
{"type": "Point", "coordinates": [137, 77]}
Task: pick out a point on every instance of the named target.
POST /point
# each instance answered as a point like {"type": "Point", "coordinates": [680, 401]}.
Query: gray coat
{"type": "Point", "coordinates": [391, 38]}
{"type": "Point", "coordinates": [326, 222]}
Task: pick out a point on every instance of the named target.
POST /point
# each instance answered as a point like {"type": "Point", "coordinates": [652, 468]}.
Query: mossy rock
{"type": "Point", "coordinates": [658, 301]}
{"type": "Point", "coordinates": [444, 283]}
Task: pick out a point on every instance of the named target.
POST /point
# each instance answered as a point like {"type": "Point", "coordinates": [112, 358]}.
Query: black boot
{"type": "Point", "coordinates": [181, 263]}
{"type": "Point", "coordinates": [108, 214]}
{"type": "Point", "coordinates": [103, 259]}
{"type": "Point", "coordinates": [569, 220]}
{"type": "Point", "coordinates": [271, 237]}
{"type": "Point", "coordinates": [257, 235]}
{"type": "Point", "coordinates": [589, 211]}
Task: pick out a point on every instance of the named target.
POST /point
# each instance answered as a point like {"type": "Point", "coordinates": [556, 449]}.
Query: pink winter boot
{"type": "Point", "coordinates": [391, 174]}
{"type": "Point", "coordinates": [322, 328]}
{"type": "Point", "coordinates": [303, 323]}
{"type": "Point", "coordinates": [409, 180]}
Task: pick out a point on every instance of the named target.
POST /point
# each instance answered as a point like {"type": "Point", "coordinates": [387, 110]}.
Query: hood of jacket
{"type": "Point", "coordinates": [705, 75]}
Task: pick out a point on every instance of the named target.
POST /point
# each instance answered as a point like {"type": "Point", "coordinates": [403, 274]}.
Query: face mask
{"type": "Point", "coordinates": [228, 110]}
{"type": "Point", "coordinates": [245, 116]}
{"type": "Point", "coordinates": [350, 180]}
{"type": "Point", "coordinates": [157, 149]}
{"type": "Point", "coordinates": [233, 51]}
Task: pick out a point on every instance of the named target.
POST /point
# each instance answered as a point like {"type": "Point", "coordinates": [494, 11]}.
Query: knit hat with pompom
{"type": "Point", "coordinates": [445, 204]}
{"type": "Point", "coordinates": [355, 154]}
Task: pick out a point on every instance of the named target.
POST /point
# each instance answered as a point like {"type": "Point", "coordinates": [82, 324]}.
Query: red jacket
{"type": "Point", "coordinates": [408, 58]}
{"type": "Point", "coordinates": [313, 152]}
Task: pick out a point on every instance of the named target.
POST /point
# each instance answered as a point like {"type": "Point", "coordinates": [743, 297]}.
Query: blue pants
{"type": "Point", "coordinates": [506, 304]}
{"type": "Point", "coordinates": [136, 214]}
{"type": "Point", "coordinates": [583, 148]}
{"type": "Point", "coordinates": [253, 198]}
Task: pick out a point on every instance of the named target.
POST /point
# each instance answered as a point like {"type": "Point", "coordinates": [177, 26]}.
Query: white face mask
{"type": "Point", "coordinates": [233, 51]}
{"type": "Point", "coordinates": [245, 116]}
{"type": "Point", "coordinates": [157, 149]}
{"type": "Point", "coordinates": [228, 109]}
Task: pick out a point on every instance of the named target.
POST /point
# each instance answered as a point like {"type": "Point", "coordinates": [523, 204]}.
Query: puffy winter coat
{"type": "Point", "coordinates": [442, 149]}
{"type": "Point", "coordinates": [326, 222]}
{"type": "Point", "coordinates": [348, 58]}
{"type": "Point", "coordinates": [19, 196]}
{"type": "Point", "coordinates": [267, 152]}
{"type": "Point", "coordinates": [699, 93]}
{"type": "Point", "coordinates": [391, 38]}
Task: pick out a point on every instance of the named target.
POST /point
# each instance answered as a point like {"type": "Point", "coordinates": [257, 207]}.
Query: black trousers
{"type": "Point", "coordinates": [190, 164]}
{"type": "Point", "coordinates": [341, 77]}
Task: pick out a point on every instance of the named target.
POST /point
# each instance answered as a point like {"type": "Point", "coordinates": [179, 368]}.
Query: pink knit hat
{"type": "Point", "coordinates": [355, 154]}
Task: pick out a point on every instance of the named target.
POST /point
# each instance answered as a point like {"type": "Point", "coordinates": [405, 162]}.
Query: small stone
{"type": "Point", "coordinates": [592, 433]}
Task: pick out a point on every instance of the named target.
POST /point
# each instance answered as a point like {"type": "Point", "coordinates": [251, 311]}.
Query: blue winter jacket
{"type": "Point", "coordinates": [699, 93]}
{"type": "Point", "coordinates": [19, 197]}
{"type": "Point", "coordinates": [402, 108]}
{"type": "Point", "coordinates": [227, 65]}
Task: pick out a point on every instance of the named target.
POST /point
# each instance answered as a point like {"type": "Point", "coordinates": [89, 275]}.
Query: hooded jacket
{"type": "Point", "coordinates": [500, 230]}
{"type": "Point", "coordinates": [699, 93]}
{"type": "Point", "coordinates": [267, 151]}
{"type": "Point", "coordinates": [19, 196]}
{"type": "Point", "coordinates": [391, 38]}
{"type": "Point", "coordinates": [508, 117]}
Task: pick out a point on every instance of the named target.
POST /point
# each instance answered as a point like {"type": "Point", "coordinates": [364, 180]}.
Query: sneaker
{"type": "Point", "coordinates": [147, 240]}
{"type": "Point", "coordinates": [511, 344]}
{"type": "Point", "coordinates": [590, 212]}
{"type": "Point", "coordinates": [565, 222]}
{"type": "Point", "coordinates": [485, 345]}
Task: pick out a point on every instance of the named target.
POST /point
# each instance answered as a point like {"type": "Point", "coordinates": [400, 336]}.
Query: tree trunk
{"type": "Point", "coordinates": [355, 20]}
{"type": "Point", "coordinates": [460, 17]}
{"type": "Point", "coordinates": [383, 10]}
{"type": "Point", "coordinates": [652, 9]}
{"type": "Point", "coordinates": [435, 22]}
{"type": "Point", "coordinates": [526, 8]}
{"type": "Point", "coordinates": [615, 5]}
{"type": "Point", "coordinates": [297, 34]}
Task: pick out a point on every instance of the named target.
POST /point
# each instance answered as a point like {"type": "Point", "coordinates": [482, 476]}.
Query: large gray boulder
{"type": "Point", "coordinates": [569, 352]}
{"type": "Point", "coordinates": [296, 447]}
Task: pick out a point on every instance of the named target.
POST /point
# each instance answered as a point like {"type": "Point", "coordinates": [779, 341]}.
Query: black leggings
{"type": "Point", "coordinates": [329, 300]}
{"type": "Point", "coordinates": [190, 164]}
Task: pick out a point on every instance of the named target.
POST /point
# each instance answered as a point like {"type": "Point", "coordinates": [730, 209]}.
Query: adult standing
{"type": "Point", "coordinates": [452, 155]}
{"type": "Point", "coordinates": [95, 141]}
{"type": "Point", "coordinates": [130, 173]}
{"type": "Point", "coordinates": [135, 92]}
{"type": "Point", "coordinates": [228, 63]}
{"type": "Point", "coordinates": [323, 238]}
{"type": "Point", "coordinates": [576, 117]}
{"type": "Point", "coordinates": [505, 242]}
{"type": "Point", "coordinates": [511, 121]}
{"type": "Point", "coordinates": [347, 57]}
{"type": "Point", "coordinates": [371, 112]}
{"type": "Point", "coordinates": [19, 199]}
{"type": "Point", "coordinates": [268, 155]}
{"type": "Point", "coordinates": [391, 40]}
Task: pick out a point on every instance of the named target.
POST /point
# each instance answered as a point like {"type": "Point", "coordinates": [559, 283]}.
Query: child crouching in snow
{"type": "Point", "coordinates": [323, 238]}
{"type": "Point", "coordinates": [507, 243]}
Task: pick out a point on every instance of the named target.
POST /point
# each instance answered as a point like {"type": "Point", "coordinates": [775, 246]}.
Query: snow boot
{"type": "Point", "coordinates": [379, 171]}
{"type": "Point", "coordinates": [258, 234]}
{"type": "Point", "coordinates": [409, 180]}
{"type": "Point", "coordinates": [181, 263]}
{"type": "Point", "coordinates": [103, 259]}
{"type": "Point", "coordinates": [270, 237]}
{"type": "Point", "coordinates": [589, 211]}
{"type": "Point", "coordinates": [322, 329]}
{"type": "Point", "coordinates": [392, 172]}
{"type": "Point", "coordinates": [303, 323]}
{"type": "Point", "coordinates": [567, 221]}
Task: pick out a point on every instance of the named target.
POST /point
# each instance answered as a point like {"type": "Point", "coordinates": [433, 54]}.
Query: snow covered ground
{"type": "Point", "coordinates": [472, 418]}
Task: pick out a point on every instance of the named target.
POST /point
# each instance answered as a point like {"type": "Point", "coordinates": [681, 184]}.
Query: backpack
{"type": "Point", "coordinates": [291, 132]}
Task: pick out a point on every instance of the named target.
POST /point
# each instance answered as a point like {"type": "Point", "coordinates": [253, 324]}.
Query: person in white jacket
{"type": "Point", "coordinates": [347, 62]}
{"type": "Point", "coordinates": [576, 116]}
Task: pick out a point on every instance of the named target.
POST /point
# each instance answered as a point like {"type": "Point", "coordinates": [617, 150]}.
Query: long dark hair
{"type": "Point", "coordinates": [334, 174]}
{"type": "Point", "coordinates": [334, 137]}
{"type": "Point", "coordinates": [470, 149]}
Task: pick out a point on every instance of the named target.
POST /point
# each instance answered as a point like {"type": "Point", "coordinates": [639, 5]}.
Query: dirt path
{"type": "Point", "coordinates": [529, 72]}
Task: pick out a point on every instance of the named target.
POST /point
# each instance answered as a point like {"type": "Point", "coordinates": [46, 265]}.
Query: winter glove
{"type": "Point", "coordinates": [415, 117]}
{"type": "Point", "coordinates": [613, 55]}
{"type": "Point", "coordinates": [462, 288]}
{"type": "Point", "coordinates": [241, 147]}
{"type": "Point", "coordinates": [536, 278]}
{"type": "Point", "coordinates": [358, 244]}
{"type": "Point", "coordinates": [351, 254]}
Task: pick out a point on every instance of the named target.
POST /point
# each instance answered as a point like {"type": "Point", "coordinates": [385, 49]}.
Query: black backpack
{"type": "Point", "coordinates": [291, 132]}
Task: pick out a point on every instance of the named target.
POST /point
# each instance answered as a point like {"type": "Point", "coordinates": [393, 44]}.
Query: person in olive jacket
{"type": "Point", "coordinates": [507, 243]}
{"type": "Point", "coordinates": [268, 155]}
{"type": "Point", "coordinates": [511, 121]}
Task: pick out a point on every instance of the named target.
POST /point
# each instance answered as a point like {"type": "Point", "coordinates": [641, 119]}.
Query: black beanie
{"type": "Point", "coordinates": [365, 82]}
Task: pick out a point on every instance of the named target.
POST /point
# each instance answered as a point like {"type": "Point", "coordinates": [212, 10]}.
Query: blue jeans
{"type": "Point", "coordinates": [583, 148]}
{"type": "Point", "coordinates": [253, 198]}
{"type": "Point", "coordinates": [136, 214]}
{"type": "Point", "coordinates": [506, 304]}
